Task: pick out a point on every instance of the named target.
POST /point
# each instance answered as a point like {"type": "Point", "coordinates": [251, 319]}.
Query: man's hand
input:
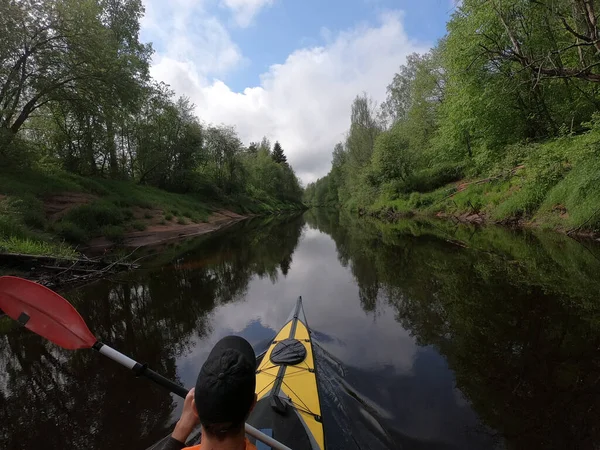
{"type": "Point", "coordinates": [188, 421]}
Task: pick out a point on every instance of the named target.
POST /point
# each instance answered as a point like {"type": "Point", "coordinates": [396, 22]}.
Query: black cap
{"type": "Point", "coordinates": [226, 383]}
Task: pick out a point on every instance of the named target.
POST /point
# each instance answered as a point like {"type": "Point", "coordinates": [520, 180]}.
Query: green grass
{"type": "Point", "coordinates": [28, 246]}
{"type": "Point", "coordinates": [22, 229]}
{"type": "Point", "coordinates": [71, 233]}
{"type": "Point", "coordinates": [139, 226]}
{"type": "Point", "coordinates": [114, 233]}
{"type": "Point", "coordinates": [557, 186]}
{"type": "Point", "coordinates": [110, 211]}
{"type": "Point", "coordinates": [11, 226]}
{"type": "Point", "coordinates": [96, 215]}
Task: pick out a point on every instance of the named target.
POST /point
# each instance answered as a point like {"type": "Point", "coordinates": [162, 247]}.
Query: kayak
{"type": "Point", "coordinates": [288, 407]}
{"type": "Point", "coordinates": [288, 411]}
{"type": "Point", "coordinates": [287, 389]}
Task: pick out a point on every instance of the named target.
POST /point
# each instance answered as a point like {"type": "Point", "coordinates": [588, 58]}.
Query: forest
{"type": "Point", "coordinates": [499, 121]}
{"type": "Point", "coordinates": [80, 112]}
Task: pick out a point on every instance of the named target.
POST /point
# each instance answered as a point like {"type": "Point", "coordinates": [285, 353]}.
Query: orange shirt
{"type": "Point", "coordinates": [249, 446]}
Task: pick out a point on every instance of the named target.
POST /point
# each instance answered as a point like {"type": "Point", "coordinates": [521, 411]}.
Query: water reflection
{"type": "Point", "coordinates": [516, 316]}
{"type": "Point", "coordinates": [77, 400]}
{"type": "Point", "coordinates": [430, 336]}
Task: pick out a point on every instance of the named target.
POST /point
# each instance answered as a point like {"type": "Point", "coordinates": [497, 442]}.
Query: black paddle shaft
{"type": "Point", "coordinates": [176, 389]}
{"type": "Point", "coordinates": [141, 370]}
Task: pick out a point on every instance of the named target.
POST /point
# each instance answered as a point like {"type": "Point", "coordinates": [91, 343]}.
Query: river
{"type": "Point", "coordinates": [430, 336]}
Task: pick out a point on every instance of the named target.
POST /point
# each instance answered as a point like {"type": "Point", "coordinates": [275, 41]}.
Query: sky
{"type": "Point", "coordinates": [287, 69]}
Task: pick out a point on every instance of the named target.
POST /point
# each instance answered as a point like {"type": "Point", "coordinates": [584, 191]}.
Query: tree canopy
{"type": "Point", "coordinates": [278, 155]}
{"type": "Point", "coordinates": [75, 94]}
{"type": "Point", "coordinates": [507, 72]}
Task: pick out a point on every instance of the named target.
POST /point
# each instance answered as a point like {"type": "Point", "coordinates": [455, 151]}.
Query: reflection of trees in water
{"type": "Point", "coordinates": [515, 314]}
{"type": "Point", "coordinates": [58, 399]}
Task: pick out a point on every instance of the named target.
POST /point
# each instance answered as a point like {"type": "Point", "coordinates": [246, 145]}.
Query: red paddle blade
{"type": "Point", "coordinates": [45, 313]}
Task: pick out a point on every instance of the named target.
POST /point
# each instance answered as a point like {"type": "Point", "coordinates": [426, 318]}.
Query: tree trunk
{"type": "Point", "coordinates": [6, 138]}
{"type": "Point", "coordinates": [89, 146]}
{"type": "Point", "coordinates": [468, 139]}
{"type": "Point", "coordinates": [112, 148]}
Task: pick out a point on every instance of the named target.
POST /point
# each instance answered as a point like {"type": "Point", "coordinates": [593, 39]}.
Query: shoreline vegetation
{"type": "Point", "coordinates": [498, 123]}
{"type": "Point", "coordinates": [62, 214]}
{"type": "Point", "coordinates": [96, 153]}
{"type": "Point", "coordinates": [560, 194]}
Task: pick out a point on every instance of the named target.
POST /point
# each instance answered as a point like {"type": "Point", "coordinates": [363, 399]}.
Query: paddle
{"type": "Point", "coordinates": [52, 317]}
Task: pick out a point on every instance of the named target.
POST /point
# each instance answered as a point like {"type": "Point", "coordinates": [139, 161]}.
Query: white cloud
{"type": "Point", "coordinates": [304, 102]}
{"type": "Point", "coordinates": [245, 10]}
{"type": "Point", "coordinates": [185, 33]}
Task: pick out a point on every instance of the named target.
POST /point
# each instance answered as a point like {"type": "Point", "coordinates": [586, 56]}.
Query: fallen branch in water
{"type": "Point", "coordinates": [60, 271]}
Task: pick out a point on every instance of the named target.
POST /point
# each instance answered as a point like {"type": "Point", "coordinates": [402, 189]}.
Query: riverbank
{"type": "Point", "coordinates": [62, 214]}
{"type": "Point", "coordinates": [551, 185]}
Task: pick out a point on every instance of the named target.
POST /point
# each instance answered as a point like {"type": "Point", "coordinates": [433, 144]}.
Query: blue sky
{"type": "Point", "coordinates": [289, 25]}
{"type": "Point", "coordinates": [287, 69]}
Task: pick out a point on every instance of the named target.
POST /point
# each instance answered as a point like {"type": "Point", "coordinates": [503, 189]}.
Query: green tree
{"type": "Point", "coordinates": [61, 51]}
{"type": "Point", "coordinates": [399, 92]}
{"type": "Point", "coordinates": [253, 148]}
{"type": "Point", "coordinates": [392, 159]}
{"type": "Point", "coordinates": [278, 155]}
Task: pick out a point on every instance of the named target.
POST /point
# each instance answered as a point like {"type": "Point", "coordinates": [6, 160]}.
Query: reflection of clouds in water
{"type": "Point", "coordinates": [399, 384]}
{"type": "Point", "coordinates": [331, 305]}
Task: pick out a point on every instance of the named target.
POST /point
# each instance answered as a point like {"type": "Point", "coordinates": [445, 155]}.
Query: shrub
{"type": "Point", "coordinates": [430, 179]}
{"type": "Point", "coordinates": [140, 226]}
{"type": "Point", "coordinates": [392, 158]}
{"type": "Point", "coordinates": [123, 202]}
{"type": "Point", "coordinates": [9, 227]}
{"type": "Point", "coordinates": [148, 216]}
{"type": "Point", "coordinates": [182, 221]}
{"type": "Point", "coordinates": [31, 210]}
{"type": "Point", "coordinates": [114, 233]}
{"type": "Point", "coordinates": [71, 232]}
{"type": "Point", "coordinates": [143, 203]}
{"type": "Point", "coordinates": [35, 219]}
{"type": "Point", "coordinates": [91, 185]}
{"type": "Point", "coordinates": [169, 216]}
{"type": "Point", "coordinates": [95, 216]}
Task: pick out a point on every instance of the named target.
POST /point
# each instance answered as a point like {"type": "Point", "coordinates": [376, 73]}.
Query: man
{"type": "Point", "coordinates": [222, 399]}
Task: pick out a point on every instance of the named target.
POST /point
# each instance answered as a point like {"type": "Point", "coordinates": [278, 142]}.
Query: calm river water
{"type": "Point", "coordinates": [430, 336]}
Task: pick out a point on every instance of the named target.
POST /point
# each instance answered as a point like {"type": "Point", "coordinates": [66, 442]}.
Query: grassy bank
{"type": "Point", "coordinates": [55, 213]}
{"type": "Point", "coordinates": [555, 184]}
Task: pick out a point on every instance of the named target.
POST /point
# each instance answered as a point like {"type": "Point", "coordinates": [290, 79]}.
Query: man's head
{"type": "Point", "coordinates": [225, 387]}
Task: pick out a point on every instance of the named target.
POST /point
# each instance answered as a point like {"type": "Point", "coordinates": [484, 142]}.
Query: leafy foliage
{"type": "Point", "coordinates": [76, 98]}
{"type": "Point", "coordinates": [513, 85]}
